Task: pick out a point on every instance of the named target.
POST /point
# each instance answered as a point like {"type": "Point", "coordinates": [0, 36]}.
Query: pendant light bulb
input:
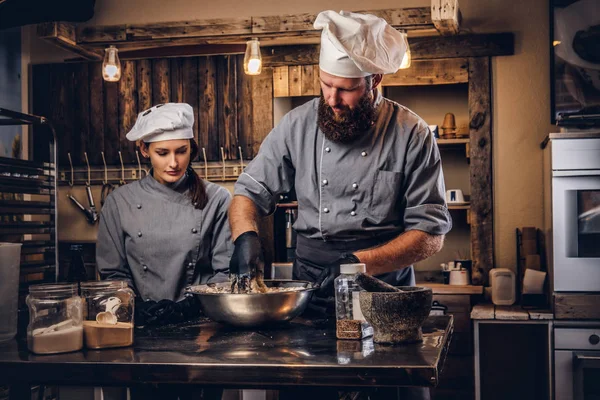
{"type": "Point", "coordinates": [252, 58]}
{"type": "Point", "coordinates": [111, 66]}
{"type": "Point", "coordinates": [406, 59]}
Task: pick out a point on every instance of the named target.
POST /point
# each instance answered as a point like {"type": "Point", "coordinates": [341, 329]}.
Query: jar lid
{"type": "Point", "coordinates": [54, 290]}
{"type": "Point", "coordinates": [353, 268]}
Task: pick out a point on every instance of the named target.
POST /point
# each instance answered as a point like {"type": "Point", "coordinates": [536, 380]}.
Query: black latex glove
{"type": "Point", "coordinates": [247, 262]}
{"type": "Point", "coordinates": [328, 275]}
{"type": "Point", "coordinates": [165, 312]}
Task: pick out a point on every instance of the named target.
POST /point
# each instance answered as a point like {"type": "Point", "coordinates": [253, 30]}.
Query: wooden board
{"type": "Point", "coordinates": [227, 106]}
{"type": "Point", "coordinates": [244, 108]}
{"type": "Point", "coordinates": [160, 81]}
{"type": "Point", "coordinates": [480, 134]}
{"type": "Point", "coordinates": [111, 123]}
{"type": "Point", "coordinates": [440, 288]}
{"type": "Point", "coordinates": [176, 80]}
{"type": "Point", "coordinates": [430, 72]}
{"type": "Point", "coordinates": [483, 311]}
{"type": "Point", "coordinates": [96, 99]}
{"type": "Point", "coordinates": [295, 80]}
{"type": "Point", "coordinates": [281, 87]}
{"type": "Point", "coordinates": [190, 87]}
{"type": "Point", "coordinates": [307, 81]}
{"type": "Point", "coordinates": [144, 84]}
{"type": "Point", "coordinates": [577, 306]}
{"type": "Point", "coordinates": [262, 109]}
{"type": "Point", "coordinates": [128, 110]}
{"type": "Point", "coordinates": [512, 313]}
{"type": "Point", "coordinates": [207, 107]}
{"type": "Point", "coordinates": [62, 112]}
{"type": "Point", "coordinates": [541, 314]}
{"type": "Point", "coordinates": [81, 117]}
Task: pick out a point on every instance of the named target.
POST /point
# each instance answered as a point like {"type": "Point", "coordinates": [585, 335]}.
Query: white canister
{"type": "Point", "coordinates": [459, 277]}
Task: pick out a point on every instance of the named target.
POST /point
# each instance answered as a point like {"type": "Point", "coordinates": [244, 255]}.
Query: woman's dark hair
{"type": "Point", "coordinates": [195, 185]}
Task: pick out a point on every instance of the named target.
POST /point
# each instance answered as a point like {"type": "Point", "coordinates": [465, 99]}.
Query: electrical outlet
{"type": "Point", "coordinates": [236, 171]}
{"type": "Point", "coordinates": [134, 174]}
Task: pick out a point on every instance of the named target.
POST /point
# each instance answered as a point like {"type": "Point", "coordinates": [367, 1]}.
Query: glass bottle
{"type": "Point", "coordinates": [55, 319]}
{"type": "Point", "coordinates": [108, 314]}
{"type": "Point", "coordinates": [350, 322]}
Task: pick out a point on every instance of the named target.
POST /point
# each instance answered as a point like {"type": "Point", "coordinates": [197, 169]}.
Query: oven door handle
{"type": "Point", "coordinates": [581, 361]}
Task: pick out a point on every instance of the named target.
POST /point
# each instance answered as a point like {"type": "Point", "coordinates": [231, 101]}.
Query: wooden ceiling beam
{"type": "Point", "coordinates": [421, 48]}
{"type": "Point", "coordinates": [240, 29]}
{"type": "Point", "coordinates": [63, 34]}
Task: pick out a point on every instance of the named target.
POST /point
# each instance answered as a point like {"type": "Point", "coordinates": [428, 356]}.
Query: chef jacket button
{"type": "Point", "coordinates": [194, 230]}
{"type": "Point", "coordinates": [190, 265]}
{"type": "Point", "coordinates": [325, 182]}
{"type": "Point", "coordinates": [195, 204]}
{"type": "Point", "coordinates": [145, 267]}
{"type": "Point", "coordinates": [353, 213]}
{"type": "Point", "coordinates": [139, 206]}
{"type": "Point", "coordinates": [326, 210]}
{"type": "Point", "coordinates": [355, 185]}
{"type": "Point", "coordinates": [327, 149]}
{"type": "Point", "coordinates": [139, 234]}
{"type": "Point", "coordinates": [364, 154]}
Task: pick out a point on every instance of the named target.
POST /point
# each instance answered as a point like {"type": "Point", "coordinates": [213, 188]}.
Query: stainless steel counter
{"type": "Point", "coordinates": [298, 353]}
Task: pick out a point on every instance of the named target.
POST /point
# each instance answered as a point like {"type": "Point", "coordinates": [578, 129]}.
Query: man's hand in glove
{"type": "Point", "coordinates": [328, 275]}
{"type": "Point", "coordinates": [246, 267]}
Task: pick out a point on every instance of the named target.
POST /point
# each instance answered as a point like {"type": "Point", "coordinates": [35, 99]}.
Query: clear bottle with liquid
{"type": "Point", "coordinates": [350, 322]}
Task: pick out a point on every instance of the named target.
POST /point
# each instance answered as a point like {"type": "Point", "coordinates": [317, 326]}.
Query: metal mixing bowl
{"type": "Point", "coordinates": [254, 309]}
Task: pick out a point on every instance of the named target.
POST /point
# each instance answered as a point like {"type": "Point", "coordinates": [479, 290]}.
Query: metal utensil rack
{"type": "Point", "coordinates": [28, 207]}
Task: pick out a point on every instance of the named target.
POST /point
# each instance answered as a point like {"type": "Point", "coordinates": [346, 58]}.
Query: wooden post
{"type": "Point", "coordinates": [482, 211]}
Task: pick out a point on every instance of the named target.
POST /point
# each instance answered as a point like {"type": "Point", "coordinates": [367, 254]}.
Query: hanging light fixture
{"type": "Point", "coordinates": [252, 58]}
{"type": "Point", "coordinates": [406, 59]}
{"type": "Point", "coordinates": [111, 66]}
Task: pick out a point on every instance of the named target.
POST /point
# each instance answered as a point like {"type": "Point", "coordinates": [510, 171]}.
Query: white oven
{"type": "Point", "coordinates": [576, 362]}
{"type": "Point", "coordinates": [576, 214]}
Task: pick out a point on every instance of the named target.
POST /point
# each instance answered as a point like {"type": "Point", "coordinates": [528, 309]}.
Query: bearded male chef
{"type": "Point", "coordinates": [366, 170]}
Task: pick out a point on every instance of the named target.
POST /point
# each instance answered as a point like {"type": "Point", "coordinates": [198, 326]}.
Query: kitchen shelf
{"type": "Point", "coordinates": [456, 142]}
{"type": "Point", "coordinates": [441, 288]}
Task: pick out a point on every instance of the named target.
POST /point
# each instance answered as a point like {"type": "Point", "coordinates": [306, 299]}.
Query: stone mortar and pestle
{"type": "Point", "coordinates": [396, 314]}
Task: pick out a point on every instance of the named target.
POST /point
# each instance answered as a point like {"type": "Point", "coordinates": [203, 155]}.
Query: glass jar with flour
{"type": "Point", "coordinates": [55, 319]}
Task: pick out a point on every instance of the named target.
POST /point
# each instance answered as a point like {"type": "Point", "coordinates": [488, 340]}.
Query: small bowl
{"type": "Point", "coordinates": [397, 317]}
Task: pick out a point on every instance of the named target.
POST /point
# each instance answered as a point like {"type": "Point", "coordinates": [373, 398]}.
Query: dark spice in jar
{"type": "Point", "coordinates": [353, 329]}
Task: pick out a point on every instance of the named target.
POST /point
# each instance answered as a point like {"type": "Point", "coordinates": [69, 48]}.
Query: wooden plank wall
{"type": "Point", "coordinates": [92, 116]}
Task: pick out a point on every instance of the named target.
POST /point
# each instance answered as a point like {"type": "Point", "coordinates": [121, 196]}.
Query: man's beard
{"type": "Point", "coordinates": [348, 125]}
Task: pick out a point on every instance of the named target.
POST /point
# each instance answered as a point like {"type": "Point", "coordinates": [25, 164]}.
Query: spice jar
{"type": "Point", "coordinates": [108, 314]}
{"type": "Point", "coordinates": [55, 319]}
{"type": "Point", "coordinates": [350, 322]}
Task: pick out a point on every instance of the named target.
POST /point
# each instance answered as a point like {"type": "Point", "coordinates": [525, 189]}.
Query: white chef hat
{"type": "Point", "coordinates": [356, 45]}
{"type": "Point", "coordinates": [167, 121]}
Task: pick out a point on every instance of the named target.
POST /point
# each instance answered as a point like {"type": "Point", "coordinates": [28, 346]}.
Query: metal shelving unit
{"type": "Point", "coordinates": [28, 207]}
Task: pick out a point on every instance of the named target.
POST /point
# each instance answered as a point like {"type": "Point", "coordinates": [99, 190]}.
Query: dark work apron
{"type": "Point", "coordinates": [313, 255]}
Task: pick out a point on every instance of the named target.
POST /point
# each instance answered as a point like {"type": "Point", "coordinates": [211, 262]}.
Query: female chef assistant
{"type": "Point", "coordinates": [168, 230]}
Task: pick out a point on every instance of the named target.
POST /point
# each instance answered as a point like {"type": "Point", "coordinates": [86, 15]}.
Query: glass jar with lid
{"type": "Point", "coordinates": [108, 314]}
{"type": "Point", "coordinates": [55, 318]}
{"type": "Point", "coordinates": [350, 322]}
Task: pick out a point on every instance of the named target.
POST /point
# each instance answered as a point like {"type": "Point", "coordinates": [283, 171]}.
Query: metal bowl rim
{"type": "Point", "coordinates": [304, 290]}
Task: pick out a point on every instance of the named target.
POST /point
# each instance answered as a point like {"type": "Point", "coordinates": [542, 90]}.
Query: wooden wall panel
{"type": "Point", "coordinates": [96, 137]}
{"type": "Point", "coordinates": [189, 78]}
{"type": "Point", "coordinates": [160, 81]}
{"type": "Point", "coordinates": [62, 111]}
{"type": "Point", "coordinates": [111, 122]}
{"type": "Point", "coordinates": [480, 127]}
{"type": "Point", "coordinates": [207, 107]}
{"type": "Point", "coordinates": [176, 75]}
{"type": "Point", "coordinates": [295, 80]}
{"type": "Point", "coordinates": [281, 86]}
{"type": "Point", "coordinates": [143, 76]}
{"type": "Point", "coordinates": [81, 115]}
{"type": "Point", "coordinates": [430, 72]}
{"type": "Point", "coordinates": [42, 101]}
{"type": "Point", "coordinates": [262, 109]}
{"type": "Point", "coordinates": [244, 108]}
{"type": "Point", "coordinates": [227, 106]}
{"type": "Point", "coordinates": [307, 82]}
{"type": "Point", "coordinates": [128, 109]}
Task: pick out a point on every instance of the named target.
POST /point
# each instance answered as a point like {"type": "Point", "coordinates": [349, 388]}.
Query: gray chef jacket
{"type": "Point", "coordinates": [388, 181]}
{"type": "Point", "coordinates": [152, 236]}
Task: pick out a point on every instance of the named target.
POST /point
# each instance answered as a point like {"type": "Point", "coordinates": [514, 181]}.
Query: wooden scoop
{"type": "Point", "coordinates": [372, 284]}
